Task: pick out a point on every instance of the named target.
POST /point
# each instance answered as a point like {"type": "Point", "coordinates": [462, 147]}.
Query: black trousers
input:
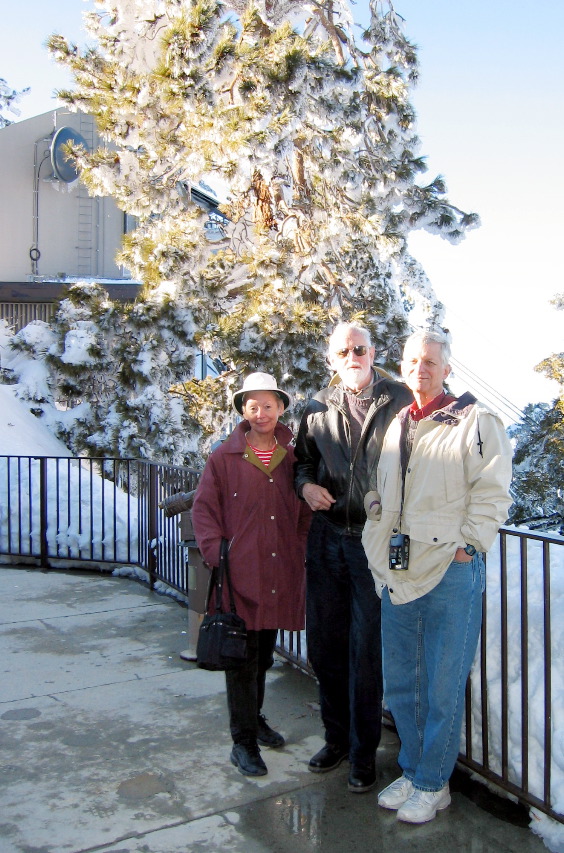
{"type": "Point", "coordinates": [245, 686]}
{"type": "Point", "coordinates": [343, 639]}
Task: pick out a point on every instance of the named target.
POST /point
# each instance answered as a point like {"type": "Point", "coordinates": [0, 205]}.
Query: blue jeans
{"type": "Point", "coordinates": [344, 639]}
{"type": "Point", "coordinates": [428, 648]}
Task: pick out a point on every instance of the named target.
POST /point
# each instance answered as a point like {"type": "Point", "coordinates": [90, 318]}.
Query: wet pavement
{"type": "Point", "coordinates": [110, 741]}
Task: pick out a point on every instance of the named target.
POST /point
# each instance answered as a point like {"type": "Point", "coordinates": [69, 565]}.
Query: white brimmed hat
{"type": "Point", "coordinates": [259, 382]}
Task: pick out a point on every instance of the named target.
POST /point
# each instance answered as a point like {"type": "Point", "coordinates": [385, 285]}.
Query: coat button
{"type": "Point", "coordinates": [273, 554]}
{"type": "Point", "coordinates": [272, 518]}
{"type": "Point", "coordinates": [435, 539]}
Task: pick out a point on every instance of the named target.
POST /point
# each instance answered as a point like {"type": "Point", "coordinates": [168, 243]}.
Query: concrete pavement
{"type": "Point", "coordinates": [109, 741]}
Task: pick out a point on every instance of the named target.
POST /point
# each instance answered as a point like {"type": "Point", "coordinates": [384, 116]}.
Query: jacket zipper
{"type": "Point", "coordinates": [369, 418]}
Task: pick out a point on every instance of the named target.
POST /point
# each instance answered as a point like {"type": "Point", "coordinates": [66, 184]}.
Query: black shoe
{"type": "Point", "coordinates": [329, 757]}
{"type": "Point", "coordinates": [267, 736]}
{"type": "Point", "coordinates": [247, 760]}
{"type": "Point", "coordinates": [362, 777]}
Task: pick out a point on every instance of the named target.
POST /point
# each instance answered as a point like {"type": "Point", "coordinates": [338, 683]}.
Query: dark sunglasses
{"type": "Point", "coordinates": [343, 353]}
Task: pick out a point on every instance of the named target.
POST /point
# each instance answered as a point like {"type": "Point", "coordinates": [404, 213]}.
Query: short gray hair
{"type": "Point", "coordinates": [349, 327]}
{"type": "Point", "coordinates": [432, 336]}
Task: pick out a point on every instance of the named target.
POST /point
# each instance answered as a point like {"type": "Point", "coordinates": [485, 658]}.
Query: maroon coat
{"type": "Point", "coordinates": [257, 510]}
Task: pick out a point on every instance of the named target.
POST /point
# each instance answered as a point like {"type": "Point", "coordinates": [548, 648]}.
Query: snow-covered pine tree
{"type": "Point", "coordinates": [307, 135]}
{"type": "Point", "coordinates": [8, 99]}
{"type": "Point", "coordinates": [91, 356]}
{"type": "Point", "coordinates": [538, 477]}
{"type": "Point", "coordinates": [24, 361]}
{"type": "Point", "coordinates": [119, 363]}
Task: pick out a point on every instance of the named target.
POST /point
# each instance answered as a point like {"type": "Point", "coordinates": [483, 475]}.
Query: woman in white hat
{"type": "Point", "coordinates": [246, 495]}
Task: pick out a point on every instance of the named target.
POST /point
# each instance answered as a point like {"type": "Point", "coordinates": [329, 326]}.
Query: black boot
{"type": "Point", "coordinates": [247, 760]}
{"type": "Point", "coordinates": [362, 776]}
{"type": "Point", "coordinates": [328, 757]}
{"type": "Point", "coordinates": [267, 736]}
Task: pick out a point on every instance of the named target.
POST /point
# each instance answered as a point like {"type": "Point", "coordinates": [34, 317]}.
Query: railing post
{"type": "Point", "coordinates": [547, 643]}
{"type": "Point", "coordinates": [153, 524]}
{"type": "Point", "coordinates": [43, 516]}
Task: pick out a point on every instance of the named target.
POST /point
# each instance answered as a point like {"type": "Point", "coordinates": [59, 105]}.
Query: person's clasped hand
{"type": "Point", "coordinates": [317, 497]}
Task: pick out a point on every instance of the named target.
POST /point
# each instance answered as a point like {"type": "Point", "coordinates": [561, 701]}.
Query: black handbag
{"type": "Point", "coordinates": [222, 638]}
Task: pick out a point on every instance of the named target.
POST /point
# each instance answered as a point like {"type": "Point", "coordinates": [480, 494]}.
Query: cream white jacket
{"type": "Point", "coordinates": [456, 493]}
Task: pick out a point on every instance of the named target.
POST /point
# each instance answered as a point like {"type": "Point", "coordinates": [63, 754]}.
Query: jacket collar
{"type": "Point", "coordinates": [237, 441]}
{"type": "Point", "coordinates": [451, 414]}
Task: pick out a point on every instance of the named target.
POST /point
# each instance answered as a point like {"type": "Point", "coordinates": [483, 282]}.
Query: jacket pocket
{"type": "Point", "coordinates": [454, 477]}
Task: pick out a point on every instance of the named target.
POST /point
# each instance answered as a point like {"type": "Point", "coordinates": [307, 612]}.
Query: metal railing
{"type": "Point", "coordinates": [106, 512]}
{"type": "Point", "coordinates": [511, 712]}
{"type": "Point", "coordinates": [57, 509]}
{"type": "Point", "coordinates": [67, 510]}
{"type": "Point", "coordinates": [169, 557]}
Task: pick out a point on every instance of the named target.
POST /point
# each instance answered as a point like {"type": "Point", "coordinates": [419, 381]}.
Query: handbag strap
{"type": "Point", "coordinates": [224, 559]}
{"type": "Point", "coordinates": [220, 573]}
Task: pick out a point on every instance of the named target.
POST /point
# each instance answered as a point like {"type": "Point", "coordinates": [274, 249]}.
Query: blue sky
{"type": "Point", "coordinates": [490, 118]}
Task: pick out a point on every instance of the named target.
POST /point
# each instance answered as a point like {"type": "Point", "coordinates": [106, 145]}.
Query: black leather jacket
{"type": "Point", "coordinates": [323, 448]}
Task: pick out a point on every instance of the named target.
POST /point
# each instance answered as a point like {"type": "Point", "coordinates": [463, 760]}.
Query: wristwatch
{"type": "Point", "coordinates": [470, 550]}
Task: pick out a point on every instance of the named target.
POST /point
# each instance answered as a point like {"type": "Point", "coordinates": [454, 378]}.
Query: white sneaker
{"type": "Point", "coordinates": [395, 794]}
{"type": "Point", "coordinates": [424, 805]}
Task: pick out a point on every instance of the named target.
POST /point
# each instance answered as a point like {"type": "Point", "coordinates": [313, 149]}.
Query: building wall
{"type": "Point", "coordinates": [77, 236]}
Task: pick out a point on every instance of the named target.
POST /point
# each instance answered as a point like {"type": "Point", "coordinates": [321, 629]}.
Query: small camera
{"type": "Point", "coordinates": [399, 552]}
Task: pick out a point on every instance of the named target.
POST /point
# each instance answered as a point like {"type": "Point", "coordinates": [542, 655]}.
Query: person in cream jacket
{"type": "Point", "coordinates": [442, 493]}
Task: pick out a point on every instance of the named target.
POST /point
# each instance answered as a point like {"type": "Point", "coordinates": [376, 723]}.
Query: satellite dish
{"type": "Point", "coordinates": [63, 166]}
